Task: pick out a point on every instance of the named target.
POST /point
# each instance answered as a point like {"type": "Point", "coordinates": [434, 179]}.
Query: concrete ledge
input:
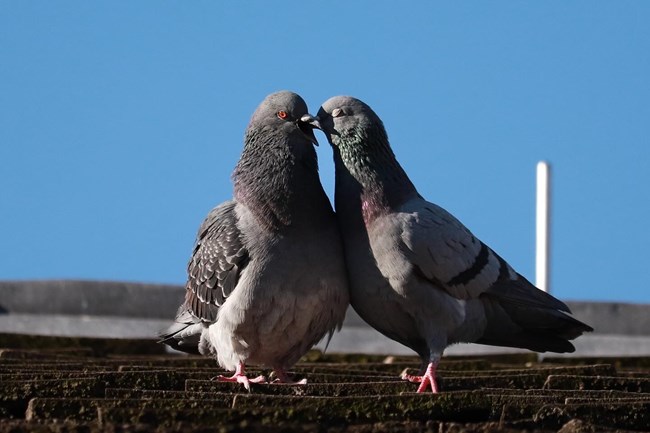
{"type": "Point", "coordinates": [109, 309]}
{"type": "Point", "coordinates": [95, 298]}
{"type": "Point", "coordinates": [351, 339]}
{"type": "Point", "coordinates": [614, 317]}
{"type": "Point", "coordinates": [357, 339]}
{"type": "Point", "coordinates": [60, 325]}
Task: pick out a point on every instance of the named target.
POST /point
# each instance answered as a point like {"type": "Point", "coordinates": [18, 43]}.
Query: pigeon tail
{"type": "Point", "coordinates": [533, 327]}
{"type": "Point", "coordinates": [184, 334]}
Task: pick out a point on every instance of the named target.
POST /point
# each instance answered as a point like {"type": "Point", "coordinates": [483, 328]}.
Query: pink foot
{"type": "Point", "coordinates": [428, 378]}
{"type": "Point", "coordinates": [283, 377]}
{"type": "Point", "coordinates": [240, 377]}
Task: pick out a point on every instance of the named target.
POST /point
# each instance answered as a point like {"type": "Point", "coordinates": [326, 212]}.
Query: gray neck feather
{"type": "Point", "coordinates": [277, 178]}
{"type": "Point", "coordinates": [383, 185]}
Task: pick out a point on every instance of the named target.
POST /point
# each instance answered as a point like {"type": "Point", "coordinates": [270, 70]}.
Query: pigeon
{"type": "Point", "coordinates": [416, 273]}
{"type": "Point", "coordinates": [267, 279]}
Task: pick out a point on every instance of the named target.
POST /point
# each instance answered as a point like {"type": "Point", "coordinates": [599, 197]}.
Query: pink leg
{"type": "Point", "coordinates": [284, 378]}
{"type": "Point", "coordinates": [240, 377]}
{"type": "Point", "coordinates": [428, 378]}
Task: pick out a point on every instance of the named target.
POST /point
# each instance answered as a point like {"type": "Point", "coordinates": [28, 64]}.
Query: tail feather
{"type": "Point", "coordinates": [534, 327]}
{"type": "Point", "coordinates": [184, 334]}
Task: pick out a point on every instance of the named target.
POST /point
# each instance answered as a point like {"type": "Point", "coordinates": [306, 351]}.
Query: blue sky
{"type": "Point", "coordinates": [121, 122]}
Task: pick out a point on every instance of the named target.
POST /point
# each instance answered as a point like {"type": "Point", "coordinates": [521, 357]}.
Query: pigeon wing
{"type": "Point", "coordinates": [217, 262]}
{"type": "Point", "coordinates": [447, 254]}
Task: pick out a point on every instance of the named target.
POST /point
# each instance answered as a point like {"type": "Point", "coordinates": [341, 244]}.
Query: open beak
{"type": "Point", "coordinates": [307, 123]}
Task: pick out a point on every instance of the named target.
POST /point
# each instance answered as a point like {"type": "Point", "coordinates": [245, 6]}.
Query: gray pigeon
{"type": "Point", "coordinates": [417, 274]}
{"type": "Point", "coordinates": [266, 280]}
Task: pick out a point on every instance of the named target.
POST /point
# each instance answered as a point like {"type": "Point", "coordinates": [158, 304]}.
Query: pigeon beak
{"type": "Point", "coordinates": [314, 121]}
{"type": "Point", "coordinates": [307, 123]}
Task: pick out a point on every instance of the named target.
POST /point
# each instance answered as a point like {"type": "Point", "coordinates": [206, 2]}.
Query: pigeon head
{"type": "Point", "coordinates": [345, 120]}
{"type": "Point", "coordinates": [284, 114]}
{"type": "Point", "coordinates": [358, 137]}
{"type": "Point", "coordinates": [362, 151]}
{"type": "Point", "coordinates": [277, 173]}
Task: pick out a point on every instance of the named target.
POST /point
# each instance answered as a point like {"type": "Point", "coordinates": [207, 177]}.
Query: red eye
{"type": "Point", "coordinates": [282, 114]}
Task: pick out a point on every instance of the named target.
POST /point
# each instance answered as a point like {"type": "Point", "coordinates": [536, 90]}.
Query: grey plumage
{"type": "Point", "coordinates": [266, 280]}
{"type": "Point", "coordinates": [417, 274]}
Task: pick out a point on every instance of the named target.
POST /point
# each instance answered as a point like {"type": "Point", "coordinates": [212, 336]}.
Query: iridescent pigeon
{"type": "Point", "coordinates": [417, 274]}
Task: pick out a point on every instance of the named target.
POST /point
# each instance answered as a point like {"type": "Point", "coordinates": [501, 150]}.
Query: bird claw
{"type": "Point", "coordinates": [428, 378]}
{"type": "Point", "coordinates": [291, 382]}
{"type": "Point", "coordinates": [243, 379]}
{"type": "Point", "coordinates": [283, 377]}
{"type": "Point", "coordinates": [240, 377]}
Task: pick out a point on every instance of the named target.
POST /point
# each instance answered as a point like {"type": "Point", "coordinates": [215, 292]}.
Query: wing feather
{"type": "Point", "coordinates": [447, 254]}
{"type": "Point", "coordinates": [217, 262]}
{"type": "Point", "coordinates": [443, 251]}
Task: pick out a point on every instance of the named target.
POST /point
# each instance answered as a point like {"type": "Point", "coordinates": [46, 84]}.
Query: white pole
{"type": "Point", "coordinates": [543, 226]}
